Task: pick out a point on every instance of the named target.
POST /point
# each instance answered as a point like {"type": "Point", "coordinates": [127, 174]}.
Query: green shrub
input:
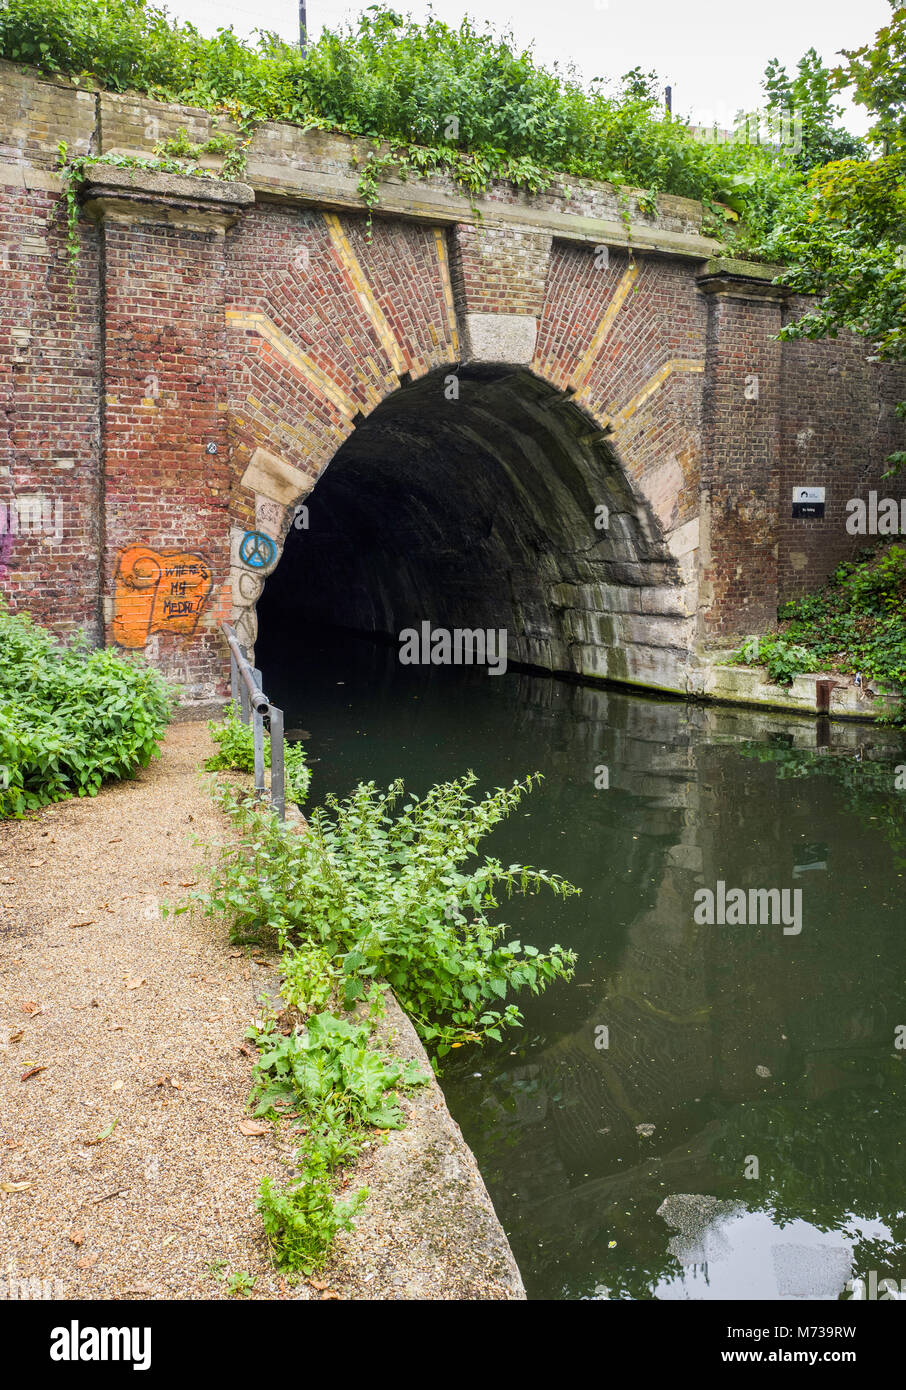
{"type": "Point", "coordinates": [70, 719]}
{"type": "Point", "coordinates": [236, 752]}
{"type": "Point", "coordinates": [783, 659]}
{"type": "Point", "coordinates": [856, 623]}
{"type": "Point", "coordinates": [389, 897]}
{"type": "Point", "coordinates": [391, 78]}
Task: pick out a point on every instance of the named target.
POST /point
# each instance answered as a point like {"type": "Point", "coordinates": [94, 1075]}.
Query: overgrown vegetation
{"type": "Point", "coordinates": [843, 235]}
{"type": "Point", "coordinates": [390, 896]}
{"type": "Point", "coordinates": [457, 99]}
{"type": "Point", "coordinates": [337, 1088]}
{"type": "Point", "coordinates": [236, 751]}
{"type": "Point", "coordinates": [369, 893]}
{"type": "Point", "coordinates": [431, 98]}
{"type": "Point", "coordinates": [70, 719]}
{"type": "Point", "coordinates": [855, 624]}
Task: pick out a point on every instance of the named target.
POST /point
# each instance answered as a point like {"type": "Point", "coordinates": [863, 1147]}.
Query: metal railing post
{"type": "Point", "coordinates": [245, 680]}
{"type": "Point", "coordinates": [258, 738]}
{"type": "Point", "coordinates": [278, 778]}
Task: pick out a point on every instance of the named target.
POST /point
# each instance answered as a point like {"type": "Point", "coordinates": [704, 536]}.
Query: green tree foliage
{"type": "Point", "coordinates": [877, 74]}
{"type": "Point", "coordinates": [809, 96]}
{"type": "Point", "coordinates": [843, 235]}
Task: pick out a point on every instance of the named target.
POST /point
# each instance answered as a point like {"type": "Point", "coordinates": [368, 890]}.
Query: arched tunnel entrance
{"type": "Point", "coordinates": [486, 499]}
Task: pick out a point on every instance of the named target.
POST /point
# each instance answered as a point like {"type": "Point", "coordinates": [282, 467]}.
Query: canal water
{"type": "Point", "coordinates": [708, 1109]}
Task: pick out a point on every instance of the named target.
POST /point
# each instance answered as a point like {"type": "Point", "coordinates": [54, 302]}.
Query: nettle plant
{"type": "Point", "coordinates": [783, 659]}
{"type": "Point", "coordinates": [334, 1088]}
{"type": "Point", "coordinates": [381, 883]}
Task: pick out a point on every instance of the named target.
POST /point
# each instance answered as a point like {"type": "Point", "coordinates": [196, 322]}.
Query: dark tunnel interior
{"type": "Point", "coordinates": [470, 500]}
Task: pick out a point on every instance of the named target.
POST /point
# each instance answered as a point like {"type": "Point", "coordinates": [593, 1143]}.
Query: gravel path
{"type": "Point", "coordinates": [134, 1019]}
{"type": "Point", "coordinates": [123, 1169]}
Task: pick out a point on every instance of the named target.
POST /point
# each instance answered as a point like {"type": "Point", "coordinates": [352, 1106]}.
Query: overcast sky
{"type": "Point", "coordinates": [713, 54]}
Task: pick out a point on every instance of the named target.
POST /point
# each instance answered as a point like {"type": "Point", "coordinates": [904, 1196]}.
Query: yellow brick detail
{"type": "Point", "coordinates": [262, 325]}
{"type": "Point", "coordinates": [364, 293]}
{"type": "Point", "coordinates": [583, 370]}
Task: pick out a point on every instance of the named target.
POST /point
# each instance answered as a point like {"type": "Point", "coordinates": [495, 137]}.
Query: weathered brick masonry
{"type": "Point", "coordinates": [474, 394]}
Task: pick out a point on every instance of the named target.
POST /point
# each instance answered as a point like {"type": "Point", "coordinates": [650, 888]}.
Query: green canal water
{"type": "Point", "coordinates": [704, 1111]}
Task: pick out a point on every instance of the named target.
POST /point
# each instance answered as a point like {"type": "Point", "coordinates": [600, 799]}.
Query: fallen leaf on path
{"type": "Point", "coordinates": [28, 1006]}
{"type": "Point", "coordinates": [136, 983]}
{"type": "Point", "coordinates": [329, 1293]}
{"type": "Point", "coordinates": [252, 1127]}
{"type": "Point", "coordinates": [17, 1036]}
{"type": "Point", "coordinates": [36, 863]}
{"type": "Point", "coordinates": [32, 1071]}
{"type": "Point", "coordinates": [15, 1186]}
{"type": "Point", "coordinates": [243, 1047]}
{"type": "Point", "coordinates": [89, 922]}
{"type": "Point", "coordinates": [87, 1261]}
{"type": "Point", "coordinates": [76, 1237]}
{"type": "Point", "coordinates": [189, 883]}
{"type": "Point", "coordinates": [117, 840]}
{"type": "Point", "coordinates": [7, 880]}
{"type": "Point", "coordinates": [318, 1284]}
{"type": "Point", "coordinates": [104, 1134]}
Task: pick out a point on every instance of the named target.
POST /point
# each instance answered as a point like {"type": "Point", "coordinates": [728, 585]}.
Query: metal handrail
{"type": "Point", "coordinates": [245, 689]}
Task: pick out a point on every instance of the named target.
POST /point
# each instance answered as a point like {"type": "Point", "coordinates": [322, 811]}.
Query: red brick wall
{"type": "Point", "coordinates": [740, 471]}
{"type": "Point", "coordinates": [165, 402]}
{"type": "Point", "coordinates": [838, 425]}
{"type": "Point", "coordinates": [498, 271]}
{"type": "Point", "coordinates": [49, 414]}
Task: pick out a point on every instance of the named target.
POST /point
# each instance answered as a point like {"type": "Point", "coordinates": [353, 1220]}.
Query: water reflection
{"type": "Point", "coordinates": [736, 1071]}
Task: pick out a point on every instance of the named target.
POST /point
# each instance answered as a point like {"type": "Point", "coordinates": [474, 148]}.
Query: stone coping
{"type": "Point", "coordinates": [749, 685]}
{"type": "Point", "coordinates": [315, 167]}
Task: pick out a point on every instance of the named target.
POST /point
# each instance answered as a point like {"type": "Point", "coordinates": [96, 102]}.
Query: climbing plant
{"type": "Point", "coordinates": [76, 170]}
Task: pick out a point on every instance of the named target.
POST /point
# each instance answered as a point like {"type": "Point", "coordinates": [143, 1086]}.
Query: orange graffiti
{"type": "Point", "coordinates": [157, 591]}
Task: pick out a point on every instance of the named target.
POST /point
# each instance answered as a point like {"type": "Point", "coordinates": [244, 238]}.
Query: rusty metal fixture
{"type": "Point", "coordinates": [823, 690]}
